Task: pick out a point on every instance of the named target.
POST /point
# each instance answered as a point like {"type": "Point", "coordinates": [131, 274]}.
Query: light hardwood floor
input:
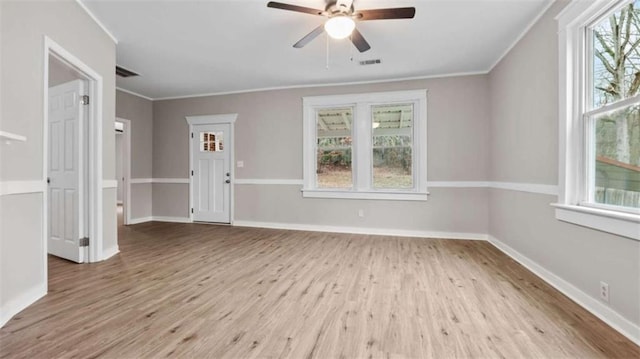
{"type": "Point", "coordinates": [189, 290]}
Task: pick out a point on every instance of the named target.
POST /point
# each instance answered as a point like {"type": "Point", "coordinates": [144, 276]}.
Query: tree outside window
{"type": "Point", "coordinates": [614, 157]}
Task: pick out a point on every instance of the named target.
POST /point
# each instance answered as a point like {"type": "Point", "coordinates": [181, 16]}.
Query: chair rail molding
{"type": "Point", "coordinates": [22, 187]}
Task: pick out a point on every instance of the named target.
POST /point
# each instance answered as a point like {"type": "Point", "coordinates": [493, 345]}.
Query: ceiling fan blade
{"type": "Point", "coordinates": [384, 14]}
{"type": "Point", "coordinates": [283, 6]}
{"type": "Point", "coordinates": [359, 42]}
{"type": "Point", "coordinates": [310, 36]}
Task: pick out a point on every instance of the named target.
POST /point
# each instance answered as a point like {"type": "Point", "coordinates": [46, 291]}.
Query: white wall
{"type": "Point", "coordinates": [139, 112]}
{"type": "Point", "coordinates": [23, 25]}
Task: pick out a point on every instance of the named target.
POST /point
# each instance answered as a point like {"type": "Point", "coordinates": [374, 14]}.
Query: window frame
{"type": "Point", "coordinates": [362, 148]}
{"type": "Point", "coordinates": [576, 115]}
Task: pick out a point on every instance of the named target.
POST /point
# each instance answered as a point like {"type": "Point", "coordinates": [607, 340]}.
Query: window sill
{"type": "Point", "coordinates": [397, 196]}
{"type": "Point", "coordinates": [622, 224]}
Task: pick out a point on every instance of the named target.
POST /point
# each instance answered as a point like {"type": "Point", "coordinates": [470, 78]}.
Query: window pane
{"type": "Point", "coordinates": [616, 57]}
{"type": "Point", "coordinates": [392, 146]}
{"type": "Point", "coordinates": [211, 141]}
{"type": "Point", "coordinates": [333, 133]}
{"type": "Point", "coordinates": [617, 162]}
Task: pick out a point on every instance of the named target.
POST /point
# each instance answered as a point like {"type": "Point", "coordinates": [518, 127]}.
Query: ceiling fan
{"type": "Point", "coordinates": [341, 20]}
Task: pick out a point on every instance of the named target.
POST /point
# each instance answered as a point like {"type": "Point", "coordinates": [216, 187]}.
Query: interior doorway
{"type": "Point", "coordinates": [123, 169]}
{"type": "Point", "coordinates": [72, 157]}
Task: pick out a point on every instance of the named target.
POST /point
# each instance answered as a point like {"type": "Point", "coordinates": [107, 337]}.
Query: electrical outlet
{"type": "Point", "coordinates": [361, 213]}
{"type": "Point", "coordinates": [604, 291]}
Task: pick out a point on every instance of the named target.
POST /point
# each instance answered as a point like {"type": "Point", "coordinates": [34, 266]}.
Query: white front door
{"type": "Point", "coordinates": [211, 173]}
{"type": "Point", "coordinates": [66, 171]}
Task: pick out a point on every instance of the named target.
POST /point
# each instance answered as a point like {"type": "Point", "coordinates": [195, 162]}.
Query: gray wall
{"type": "Point", "coordinates": [269, 140]}
{"type": "Point", "coordinates": [524, 148]}
{"type": "Point", "coordinates": [23, 25]}
{"type": "Point", "coordinates": [60, 73]}
{"type": "Point", "coordinates": [140, 112]}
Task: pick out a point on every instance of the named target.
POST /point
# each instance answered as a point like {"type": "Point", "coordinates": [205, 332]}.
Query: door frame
{"type": "Point", "coordinates": [93, 119]}
{"type": "Point", "coordinates": [126, 169]}
{"type": "Point", "coordinates": [229, 119]}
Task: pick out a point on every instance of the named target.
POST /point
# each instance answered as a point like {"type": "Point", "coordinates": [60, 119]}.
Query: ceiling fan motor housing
{"type": "Point", "coordinates": [339, 7]}
{"type": "Point", "coordinates": [341, 16]}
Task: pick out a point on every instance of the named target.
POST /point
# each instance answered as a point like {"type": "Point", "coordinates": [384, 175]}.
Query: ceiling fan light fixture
{"type": "Point", "coordinates": [340, 26]}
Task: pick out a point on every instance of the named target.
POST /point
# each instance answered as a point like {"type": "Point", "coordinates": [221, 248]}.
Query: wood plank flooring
{"type": "Point", "coordinates": [189, 290]}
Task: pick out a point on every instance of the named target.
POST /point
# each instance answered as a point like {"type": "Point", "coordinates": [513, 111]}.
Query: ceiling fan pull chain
{"type": "Point", "coordinates": [351, 47]}
{"type": "Point", "coordinates": [327, 66]}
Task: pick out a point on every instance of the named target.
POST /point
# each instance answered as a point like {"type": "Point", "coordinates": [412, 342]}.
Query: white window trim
{"type": "Point", "coordinates": [570, 207]}
{"type": "Point", "coordinates": [361, 104]}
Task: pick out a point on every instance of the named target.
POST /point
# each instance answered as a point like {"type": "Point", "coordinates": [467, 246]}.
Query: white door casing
{"type": "Point", "coordinates": [67, 209]}
{"type": "Point", "coordinates": [211, 173]}
{"type": "Point", "coordinates": [94, 143]}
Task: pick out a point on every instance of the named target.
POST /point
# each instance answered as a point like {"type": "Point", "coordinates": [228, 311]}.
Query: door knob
{"type": "Point", "coordinates": [228, 174]}
{"type": "Point", "coordinates": [227, 181]}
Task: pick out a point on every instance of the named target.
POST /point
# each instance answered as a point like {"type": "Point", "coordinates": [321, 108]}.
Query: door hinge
{"type": "Point", "coordinates": [84, 99]}
{"type": "Point", "coordinates": [191, 210]}
{"type": "Point", "coordinates": [84, 242]}
{"type": "Point", "coordinates": [191, 134]}
{"type": "Point", "coordinates": [192, 172]}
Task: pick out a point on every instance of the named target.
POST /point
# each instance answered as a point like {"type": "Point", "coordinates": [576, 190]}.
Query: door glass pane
{"type": "Point", "coordinates": [333, 134]}
{"type": "Point", "coordinates": [616, 56]}
{"type": "Point", "coordinates": [617, 158]}
{"type": "Point", "coordinates": [212, 141]}
{"type": "Point", "coordinates": [392, 146]}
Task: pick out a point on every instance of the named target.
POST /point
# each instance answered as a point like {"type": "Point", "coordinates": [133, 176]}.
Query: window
{"type": "Point", "coordinates": [211, 141]}
{"type": "Point", "coordinates": [334, 148]}
{"type": "Point", "coordinates": [392, 152]}
{"type": "Point", "coordinates": [612, 119]}
{"type": "Point", "coordinates": [600, 109]}
{"type": "Point", "coordinates": [369, 146]}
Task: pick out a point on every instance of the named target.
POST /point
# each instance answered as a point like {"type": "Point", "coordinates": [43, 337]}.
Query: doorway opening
{"type": "Point", "coordinates": [72, 157]}
{"type": "Point", "coordinates": [123, 170]}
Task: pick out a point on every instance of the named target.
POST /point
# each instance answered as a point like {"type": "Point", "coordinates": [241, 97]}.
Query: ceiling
{"type": "Point", "coordinates": [185, 48]}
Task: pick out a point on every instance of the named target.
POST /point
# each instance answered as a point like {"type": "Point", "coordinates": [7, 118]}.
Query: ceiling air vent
{"type": "Point", "coordinates": [370, 62]}
{"type": "Point", "coordinates": [122, 72]}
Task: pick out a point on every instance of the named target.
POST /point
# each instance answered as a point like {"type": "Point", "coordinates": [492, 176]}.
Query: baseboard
{"type": "Point", "coordinates": [140, 220]}
{"type": "Point", "coordinates": [171, 219]}
{"type": "Point", "coordinates": [108, 253]}
{"type": "Point", "coordinates": [160, 219]}
{"type": "Point", "coordinates": [362, 230]}
{"type": "Point", "coordinates": [330, 229]}
{"type": "Point", "coordinates": [595, 307]}
{"type": "Point", "coordinates": [15, 306]}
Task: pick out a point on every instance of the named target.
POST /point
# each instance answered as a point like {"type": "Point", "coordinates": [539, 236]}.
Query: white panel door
{"type": "Point", "coordinates": [210, 167]}
{"type": "Point", "coordinates": [65, 171]}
